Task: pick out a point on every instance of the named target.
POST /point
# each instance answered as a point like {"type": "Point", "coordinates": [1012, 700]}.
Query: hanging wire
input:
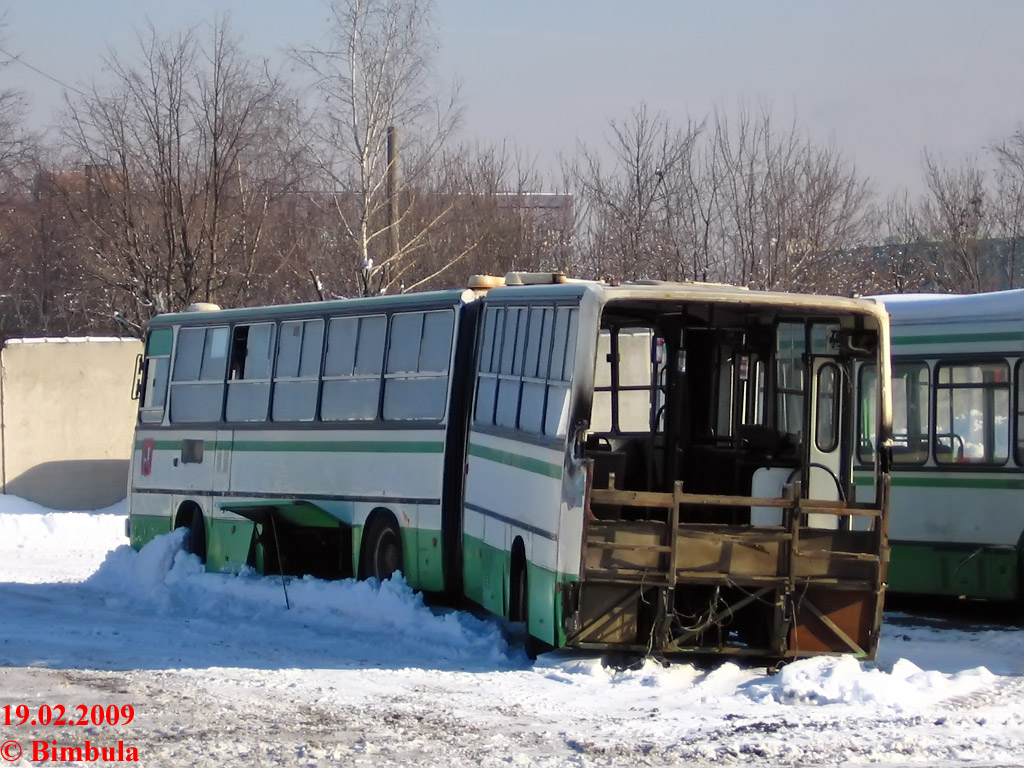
{"type": "Point", "coordinates": [12, 58]}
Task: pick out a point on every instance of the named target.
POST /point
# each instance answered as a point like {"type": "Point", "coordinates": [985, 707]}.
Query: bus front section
{"type": "Point", "coordinates": [721, 513]}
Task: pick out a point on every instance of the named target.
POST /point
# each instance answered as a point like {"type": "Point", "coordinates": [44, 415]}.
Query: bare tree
{"type": "Point", "coordinates": [27, 290]}
{"type": "Point", "coordinates": [18, 146]}
{"type": "Point", "coordinates": [375, 80]}
{"type": "Point", "coordinates": [37, 296]}
{"type": "Point", "coordinates": [955, 217]}
{"type": "Point", "coordinates": [182, 160]}
{"type": "Point", "coordinates": [700, 204]}
{"type": "Point", "coordinates": [499, 219]}
{"type": "Point", "coordinates": [741, 202]}
{"type": "Point", "coordinates": [789, 209]}
{"type": "Point", "coordinates": [1008, 205]}
{"type": "Point", "coordinates": [900, 264]}
{"type": "Point", "coordinates": [633, 191]}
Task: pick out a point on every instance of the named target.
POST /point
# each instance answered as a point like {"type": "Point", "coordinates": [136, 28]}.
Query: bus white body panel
{"type": "Point", "coordinates": [957, 518]}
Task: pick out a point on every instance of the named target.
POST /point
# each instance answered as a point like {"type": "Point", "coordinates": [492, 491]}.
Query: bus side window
{"type": "Point", "coordinates": [972, 410]}
{"type": "Point", "coordinates": [249, 386]}
{"type": "Point", "coordinates": [868, 413]}
{"type": "Point", "coordinates": [563, 360]}
{"type": "Point", "coordinates": [1020, 414]}
{"type": "Point", "coordinates": [490, 357]}
{"type": "Point", "coordinates": [352, 368]}
{"type": "Point", "coordinates": [910, 430]}
{"type": "Point", "coordinates": [511, 367]}
{"type": "Point", "coordinates": [296, 378]}
{"type": "Point", "coordinates": [536, 369]}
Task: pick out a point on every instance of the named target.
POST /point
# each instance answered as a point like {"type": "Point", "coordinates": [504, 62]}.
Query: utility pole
{"type": "Point", "coordinates": [392, 193]}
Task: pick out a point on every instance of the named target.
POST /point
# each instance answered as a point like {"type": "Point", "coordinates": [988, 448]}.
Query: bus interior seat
{"type": "Point", "coordinates": [609, 464]}
{"type": "Point", "coordinates": [626, 456]}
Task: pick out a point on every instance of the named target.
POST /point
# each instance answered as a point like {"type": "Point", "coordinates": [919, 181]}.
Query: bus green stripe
{"type": "Point", "coordinates": [1014, 483]}
{"type": "Point", "coordinates": [949, 338]}
{"type": "Point", "coordinates": [517, 461]}
{"type": "Point", "coordinates": [312, 446]}
{"type": "Point", "coordinates": [933, 480]}
{"type": "Point", "coordinates": [341, 446]}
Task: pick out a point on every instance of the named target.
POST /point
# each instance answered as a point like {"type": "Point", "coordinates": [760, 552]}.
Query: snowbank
{"type": "Point", "coordinates": [225, 670]}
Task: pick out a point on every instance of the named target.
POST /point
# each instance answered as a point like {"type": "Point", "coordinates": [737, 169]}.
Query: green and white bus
{"type": "Point", "coordinates": [650, 467]}
{"type": "Point", "coordinates": [957, 525]}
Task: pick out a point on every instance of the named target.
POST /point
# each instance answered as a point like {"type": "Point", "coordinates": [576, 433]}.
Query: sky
{"type": "Point", "coordinates": [879, 80]}
{"type": "Point", "coordinates": [219, 672]}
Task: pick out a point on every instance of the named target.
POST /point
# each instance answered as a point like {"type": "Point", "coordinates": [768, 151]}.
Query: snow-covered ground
{"type": "Point", "coordinates": [220, 673]}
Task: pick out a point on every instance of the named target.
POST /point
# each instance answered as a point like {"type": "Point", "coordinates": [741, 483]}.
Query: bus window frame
{"type": "Point", "coordinates": [397, 386]}
{"type": "Point", "coordinates": [961, 458]}
{"type": "Point", "coordinates": [832, 411]}
{"type": "Point", "coordinates": [303, 380]}
{"type": "Point", "coordinates": [156, 371]}
{"type": "Point", "coordinates": [214, 335]}
{"type": "Point", "coordinates": [507, 365]}
{"type": "Point", "coordinates": [239, 382]}
{"type": "Point", "coordinates": [364, 378]}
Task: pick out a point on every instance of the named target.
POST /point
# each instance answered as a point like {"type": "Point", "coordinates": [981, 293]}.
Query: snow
{"type": "Point", "coordinates": [247, 670]}
{"type": "Point", "coordinates": [72, 340]}
{"type": "Point", "coordinates": [916, 308]}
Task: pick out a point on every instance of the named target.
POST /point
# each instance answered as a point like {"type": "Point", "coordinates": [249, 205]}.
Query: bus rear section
{"type": "Point", "coordinates": [716, 442]}
{"type": "Point", "coordinates": [957, 524]}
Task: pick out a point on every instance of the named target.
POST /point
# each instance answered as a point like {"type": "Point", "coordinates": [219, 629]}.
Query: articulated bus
{"type": "Point", "coordinates": [957, 523]}
{"type": "Point", "coordinates": [654, 467]}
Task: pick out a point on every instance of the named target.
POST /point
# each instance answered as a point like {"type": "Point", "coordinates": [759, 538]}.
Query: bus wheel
{"type": "Point", "coordinates": [382, 549]}
{"type": "Point", "coordinates": [197, 537]}
{"type": "Point", "coordinates": [532, 645]}
{"type": "Point", "coordinates": [520, 609]}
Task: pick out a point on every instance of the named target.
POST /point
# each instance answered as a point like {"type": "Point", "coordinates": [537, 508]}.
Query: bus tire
{"type": "Point", "coordinates": [531, 645]}
{"type": "Point", "coordinates": [196, 541]}
{"type": "Point", "coordinates": [382, 548]}
{"type": "Point", "coordinates": [519, 604]}
{"type": "Point", "coordinates": [522, 606]}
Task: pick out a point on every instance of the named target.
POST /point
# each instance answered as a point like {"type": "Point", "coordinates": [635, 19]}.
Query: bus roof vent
{"type": "Point", "coordinates": [485, 282]}
{"type": "Point", "coordinates": [202, 306]}
{"type": "Point", "coordinates": [534, 278]}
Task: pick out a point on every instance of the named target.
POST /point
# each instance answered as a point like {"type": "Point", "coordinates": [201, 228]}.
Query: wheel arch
{"type": "Point", "coordinates": [190, 515]}
{"type": "Point", "coordinates": [187, 510]}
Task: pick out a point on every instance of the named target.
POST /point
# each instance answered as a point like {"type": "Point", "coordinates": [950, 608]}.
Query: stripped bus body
{"type": "Point", "coordinates": [646, 467]}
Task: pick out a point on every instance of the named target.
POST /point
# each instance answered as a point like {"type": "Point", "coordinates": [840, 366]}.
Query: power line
{"type": "Point", "coordinates": [11, 57]}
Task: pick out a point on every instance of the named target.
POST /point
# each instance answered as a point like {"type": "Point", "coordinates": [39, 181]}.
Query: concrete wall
{"type": "Point", "coordinates": [67, 419]}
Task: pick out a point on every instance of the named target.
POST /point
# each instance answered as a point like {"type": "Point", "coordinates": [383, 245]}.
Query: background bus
{"type": "Point", "coordinates": [958, 456]}
{"type": "Point", "coordinates": [661, 467]}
